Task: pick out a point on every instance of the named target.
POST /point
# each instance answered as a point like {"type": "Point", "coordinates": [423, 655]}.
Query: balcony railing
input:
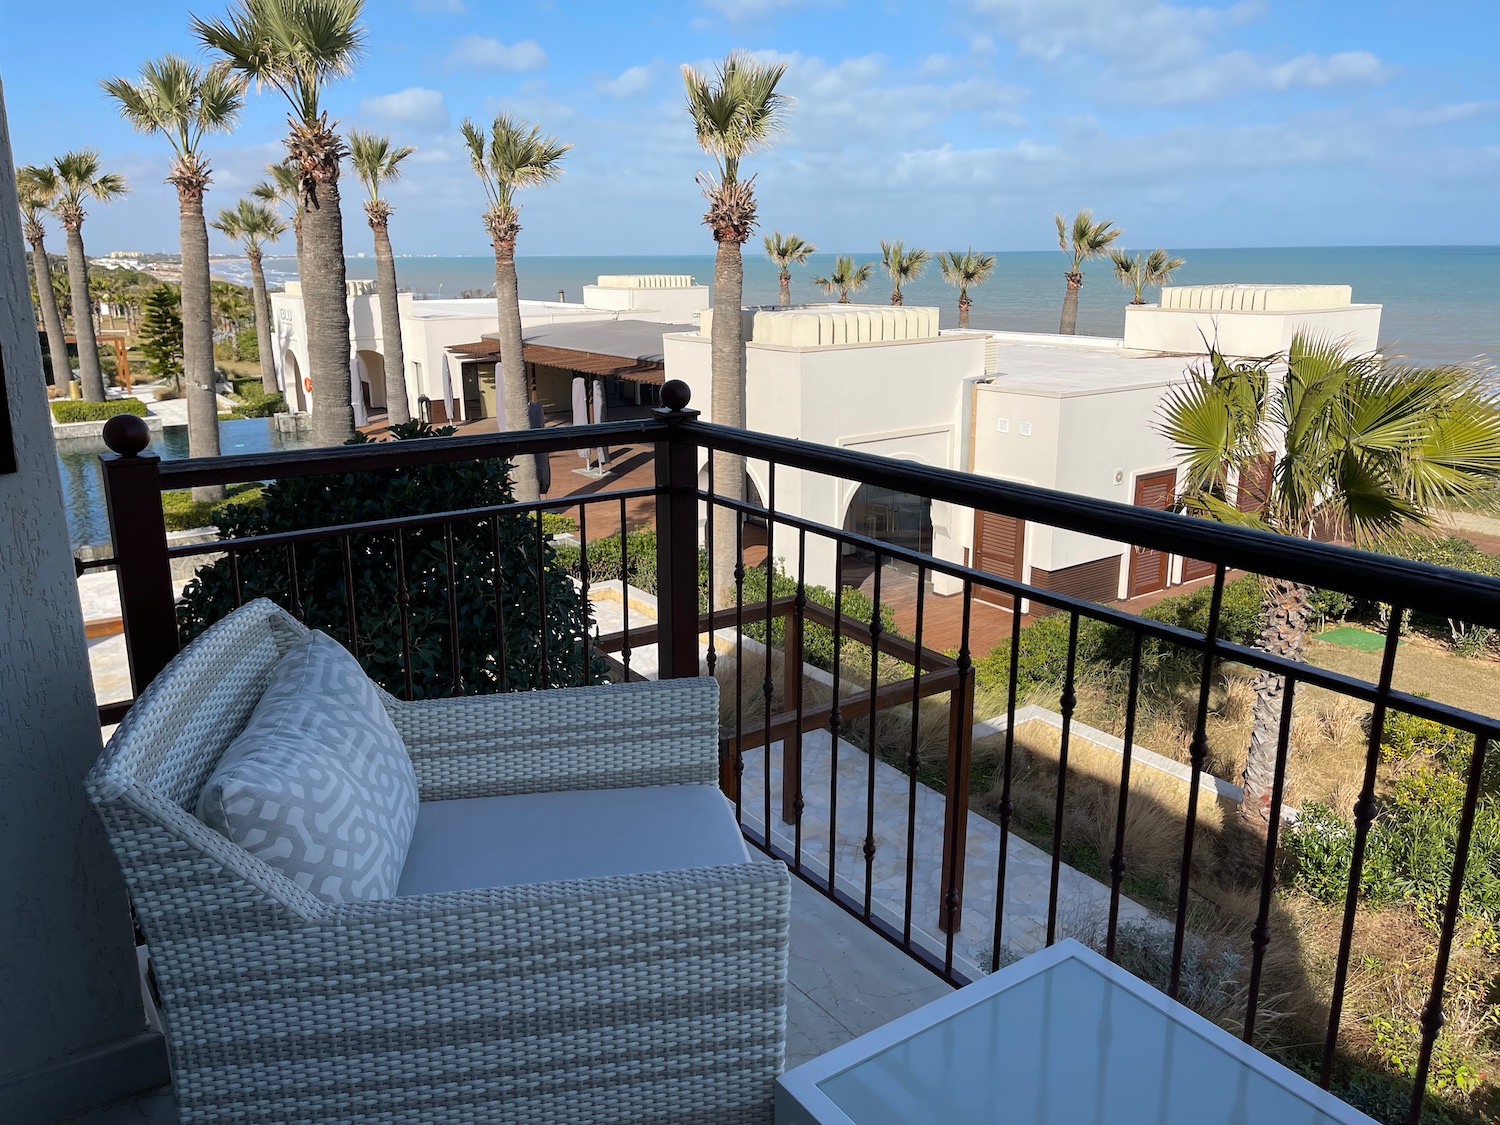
{"type": "Point", "coordinates": [890, 828]}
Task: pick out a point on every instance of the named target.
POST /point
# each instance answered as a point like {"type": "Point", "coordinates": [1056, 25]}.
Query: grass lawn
{"type": "Point", "coordinates": [1422, 667]}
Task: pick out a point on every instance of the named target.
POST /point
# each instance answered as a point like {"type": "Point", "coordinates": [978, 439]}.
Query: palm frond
{"type": "Point", "coordinates": [788, 250]}
{"type": "Point", "coordinates": [179, 100]}
{"type": "Point", "coordinates": [376, 161]}
{"type": "Point", "coordinates": [736, 110]}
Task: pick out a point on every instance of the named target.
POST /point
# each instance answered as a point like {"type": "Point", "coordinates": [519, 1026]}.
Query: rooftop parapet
{"type": "Point", "coordinates": [645, 281]}
{"type": "Point", "coordinates": [821, 326]}
{"type": "Point", "coordinates": [1257, 298]}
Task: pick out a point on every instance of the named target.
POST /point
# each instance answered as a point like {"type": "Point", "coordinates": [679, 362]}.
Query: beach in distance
{"type": "Point", "coordinates": [1441, 303]}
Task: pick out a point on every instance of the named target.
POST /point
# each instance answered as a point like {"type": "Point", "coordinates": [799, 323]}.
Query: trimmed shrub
{"type": "Point", "coordinates": [379, 588]}
{"type": "Point", "coordinates": [183, 513]}
{"type": "Point", "coordinates": [69, 410]}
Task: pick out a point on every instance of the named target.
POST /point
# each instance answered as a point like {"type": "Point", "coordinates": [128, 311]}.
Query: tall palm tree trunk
{"type": "Point", "coordinates": [786, 287]}
{"type": "Point", "coordinates": [963, 309]}
{"type": "Point", "coordinates": [90, 376]}
{"type": "Point", "coordinates": [727, 357]}
{"type": "Point", "coordinates": [1288, 620]}
{"type": "Point", "coordinates": [398, 410]}
{"type": "Point", "coordinates": [62, 367]}
{"type": "Point", "coordinates": [262, 322]}
{"type": "Point", "coordinates": [198, 336]}
{"type": "Point", "coordinates": [325, 302]}
{"type": "Point", "coordinates": [896, 297]}
{"type": "Point", "coordinates": [514, 393]}
{"type": "Point", "coordinates": [1069, 323]}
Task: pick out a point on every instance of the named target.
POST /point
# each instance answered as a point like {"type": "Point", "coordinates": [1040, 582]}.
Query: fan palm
{"type": "Point", "coordinates": [377, 162]}
{"type": "Point", "coordinates": [736, 111]}
{"type": "Point", "coordinates": [280, 188]}
{"type": "Point", "coordinates": [969, 268]}
{"type": "Point", "coordinates": [252, 225]}
{"type": "Point", "coordinates": [512, 157]}
{"type": "Point", "coordinates": [846, 277]}
{"type": "Point", "coordinates": [1136, 273]}
{"type": "Point", "coordinates": [787, 250]}
{"type": "Point", "coordinates": [1368, 446]}
{"type": "Point", "coordinates": [1084, 239]}
{"type": "Point", "coordinates": [80, 179]}
{"type": "Point", "coordinates": [901, 265]}
{"type": "Point", "coordinates": [297, 47]}
{"type": "Point", "coordinates": [183, 103]}
{"type": "Point", "coordinates": [36, 188]}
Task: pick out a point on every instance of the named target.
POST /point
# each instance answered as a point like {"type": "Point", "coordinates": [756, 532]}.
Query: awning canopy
{"type": "Point", "coordinates": [628, 349]}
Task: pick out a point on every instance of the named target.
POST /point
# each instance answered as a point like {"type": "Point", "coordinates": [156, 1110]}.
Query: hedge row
{"type": "Point", "coordinates": [68, 410]}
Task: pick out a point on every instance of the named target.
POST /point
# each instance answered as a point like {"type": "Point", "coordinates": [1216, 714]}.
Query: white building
{"type": "Point", "coordinates": [430, 330]}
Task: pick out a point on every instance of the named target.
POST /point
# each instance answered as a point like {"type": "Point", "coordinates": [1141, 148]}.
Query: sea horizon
{"type": "Point", "coordinates": [1440, 304]}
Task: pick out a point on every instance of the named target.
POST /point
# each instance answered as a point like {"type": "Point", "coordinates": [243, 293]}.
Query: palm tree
{"type": "Point", "coordinates": [787, 251]}
{"type": "Point", "coordinates": [297, 47]}
{"type": "Point", "coordinates": [964, 270]}
{"type": "Point", "coordinates": [183, 103]}
{"type": "Point", "coordinates": [252, 225]}
{"type": "Point", "coordinates": [513, 157]}
{"type": "Point", "coordinates": [376, 163]}
{"type": "Point", "coordinates": [36, 187]}
{"type": "Point", "coordinates": [281, 189]}
{"type": "Point", "coordinates": [1136, 273]}
{"type": "Point", "coordinates": [78, 181]}
{"type": "Point", "coordinates": [901, 265]}
{"type": "Point", "coordinates": [846, 277]}
{"type": "Point", "coordinates": [735, 111]}
{"type": "Point", "coordinates": [1084, 239]}
{"type": "Point", "coordinates": [1369, 445]}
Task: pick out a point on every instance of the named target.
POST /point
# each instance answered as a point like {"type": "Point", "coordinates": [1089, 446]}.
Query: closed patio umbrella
{"type": "Point", "coordinates": [357, 389]}
{"type": "Point", "coordinates": [447, 388]}
{"type": "Point", "coordinates": [581, 410]}
{"type": "Point", "coordinates": [599, 418]}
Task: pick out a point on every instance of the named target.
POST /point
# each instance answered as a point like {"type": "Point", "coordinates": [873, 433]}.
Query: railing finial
{"type": "Point", "coordinates": [675, 395]}
{"type": "Point", "coordinates": [127, 434]}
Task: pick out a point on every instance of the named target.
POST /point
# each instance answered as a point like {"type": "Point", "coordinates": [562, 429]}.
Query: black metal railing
{"type": "Point", "coordinates": [908, 797]}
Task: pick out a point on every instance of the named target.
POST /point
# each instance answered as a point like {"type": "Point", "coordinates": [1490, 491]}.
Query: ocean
{"type": "Point", "coordinates": [1441, 303]}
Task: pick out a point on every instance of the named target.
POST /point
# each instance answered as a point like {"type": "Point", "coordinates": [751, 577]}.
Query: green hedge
{"type": "Point", "coordinates": [253, 400]}
{"type": "Point", "coordinates": [67, 410]}
{"type": "Point", "coordinates": [183, 513]}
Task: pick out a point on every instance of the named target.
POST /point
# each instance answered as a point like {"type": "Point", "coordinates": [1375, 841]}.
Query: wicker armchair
{"type": "Point", "coordinates": [653, 997]}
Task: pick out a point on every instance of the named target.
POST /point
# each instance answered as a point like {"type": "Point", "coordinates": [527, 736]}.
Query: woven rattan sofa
{"type": "Point", "coordinates": [650, 996]}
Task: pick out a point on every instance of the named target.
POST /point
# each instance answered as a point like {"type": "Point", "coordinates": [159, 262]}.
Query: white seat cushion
{"type": "Point", "coordinates": [479, 842]}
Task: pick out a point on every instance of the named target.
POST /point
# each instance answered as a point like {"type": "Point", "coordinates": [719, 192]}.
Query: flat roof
{"type": "Point", "coordinates": [629, 349]}
{"type": "Point", "coordinates": [1064, 370]}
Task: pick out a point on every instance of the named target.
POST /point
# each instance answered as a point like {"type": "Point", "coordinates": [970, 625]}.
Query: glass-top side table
{"type": "Point", "coordinates": [1063, 1037]}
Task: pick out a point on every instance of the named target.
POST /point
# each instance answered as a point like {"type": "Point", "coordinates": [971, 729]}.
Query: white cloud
{"type": "Point", "coordinates": [1321, 71]}
{"type": "Point", "coordinates": [413, 106]}
{"type": "Point", "coordinates": [479, 52]}
{"type": "Point", "coordinates": [629, 82]}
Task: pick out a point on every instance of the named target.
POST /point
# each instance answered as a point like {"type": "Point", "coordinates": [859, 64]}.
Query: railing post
{"type": "Point", "coordinates": [676, 538]}
{"type": "Point", "coordinates": [791, 703]}
{"type": "Point", "coordinates": [138, 533]}
{"type": "Point", "coordinates": [956, 791]}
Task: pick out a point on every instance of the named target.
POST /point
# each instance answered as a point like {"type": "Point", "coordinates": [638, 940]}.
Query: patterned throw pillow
{"type": "Point", "coordinates": [319, 784]}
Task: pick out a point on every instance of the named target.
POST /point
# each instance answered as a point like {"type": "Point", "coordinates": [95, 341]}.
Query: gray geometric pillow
{"type": "Point", "coordinates": [319, 784]}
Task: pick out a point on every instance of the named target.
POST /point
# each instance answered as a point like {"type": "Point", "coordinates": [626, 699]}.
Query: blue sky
{"type": "Point", "coordinates": [945, 122]}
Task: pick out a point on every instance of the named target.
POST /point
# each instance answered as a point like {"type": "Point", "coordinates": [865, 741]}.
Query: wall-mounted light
{"type": "Point", "coordinates": [1119, 476]}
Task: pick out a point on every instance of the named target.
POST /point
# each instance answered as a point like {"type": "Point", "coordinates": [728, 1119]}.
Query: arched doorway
{"type": "Point", "coordinates": [296, 394]}
{"type": "Point", "coordinates": [374, 379]}
{"type": "Point", "coordinates": [898, 518]}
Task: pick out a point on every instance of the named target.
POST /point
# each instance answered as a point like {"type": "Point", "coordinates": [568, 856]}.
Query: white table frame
{"type": "Point", "coordinates": [801, 1101]}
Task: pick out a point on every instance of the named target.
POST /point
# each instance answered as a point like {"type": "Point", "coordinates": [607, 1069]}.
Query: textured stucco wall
{"type": "Point", "coordinates": [67, 976]}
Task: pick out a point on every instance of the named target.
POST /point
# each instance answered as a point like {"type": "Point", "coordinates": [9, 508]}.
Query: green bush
{"type": "Point", "coordinates": [380, 589]}
{"type": "Point", "coordinates": [246, 346]}
{"type": "Point", "coordinates": [183, 513]}
{"type": "Point", "coordinates": [1239, 611]}
{"type": "Point", "coordinates": [67, 410]}
{"type": "Point", "coordinates": [252, 400]}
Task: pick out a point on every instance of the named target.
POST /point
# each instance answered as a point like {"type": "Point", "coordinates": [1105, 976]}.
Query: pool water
{"type": "Point", "coordinates": [83, 484]}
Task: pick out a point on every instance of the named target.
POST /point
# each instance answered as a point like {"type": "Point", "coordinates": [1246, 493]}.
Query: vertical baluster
{"type": "Point", "coordinates": [1432, 1018]}
{"type": "Point", "coordinates": [403, 603]}
{"type": "Point", "coordinates": [1197, 756]}
{"type": "Point", "coordinates": [350, 610]}
{"type": "Point", "coordinates": [711, 658]}
{"type": "Point", "coordinates": [454, 655]}
{"type": "Point", "coordinates": [502, 671]}
{"type": "Point", "coordinates": [913, 759]}
{"type": "Point", "coordinates": [835, 715]}
{"type": "Point", "coordinates": [791, 759]}
{"type": "Point", "coordinates": [544, 627]}
{"type": "Point", "coordinates": [1007, 803]}
{"type": "Point", "coordinates": [874, 719]}
{"type": "Point", "coordinates": [739, 663]}
{"type": "Point", "coordinates": [1066, 705]}
{"type": "Point", "coordinates": [1117, 857]}
{"type": "Point", "coordinates": [583, 581]}
{"type": "Point", "coordinates": [624, 593]}
{"type": "Point", "coordinates": [234, 577]}
{"type": "Point", "coordinates": [767, 684]}
{"type": "Point", "coordinates": [1364, 813]}
{"type": "Point", "coordinates": [294, 585]}
{"type": "Point", "coordinates": [956, 791]}
{"type": "Point", "coordinates": [1260, 934]}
